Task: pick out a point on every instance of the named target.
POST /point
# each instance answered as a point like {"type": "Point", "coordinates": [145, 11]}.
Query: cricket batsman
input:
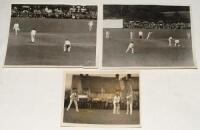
{"type": "Point", "coordinates": [116, 104]}
{"type": "Point", "coordinates": [148, 35]}
{"type": "Point", "coordinates": [90, 25]}
{"type": "Point", "coordinates": [33, 34]}
{"type": "Point", "coordinates": [67, 46]}
{"type": "Point", "coordinates": [73, 98]}
{"type": "Point", "coordinates": [16, 28]}
{"type": "Point", "coordinates": [130, 47]}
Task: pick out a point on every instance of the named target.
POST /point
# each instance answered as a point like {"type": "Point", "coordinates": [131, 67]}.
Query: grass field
{"type": "Point", "coordinates": [148, 53]}
{"type": "Point", "coordinates": [48, 48]}
{"type": "Point", "coordinates": [91, 116]}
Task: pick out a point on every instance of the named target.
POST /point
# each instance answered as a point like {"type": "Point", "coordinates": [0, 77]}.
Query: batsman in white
{"type": "Point", "coordinates": [16, 28]}
{"type": "Point", "coordinates": [148, 35]}
{"type": "Point", "coordinates": [170, 41]}
{"type": "Point", "coordinates": [116, 104]}
{"type": "Point", "coordinates": [67, 46]}
{"type": "Point", "coordinates": [90, 25]}
{"type": "Point", "coordinates": [73, 98]}
{"type": "Point", "coordinates": [130, 47]}
{"type": "Point", "coordinates": [33, 35]}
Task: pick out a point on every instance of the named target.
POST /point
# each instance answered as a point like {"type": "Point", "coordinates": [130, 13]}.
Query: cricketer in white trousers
{"type": "Point", "coordinates": [90, 25]}
{"type": "Point", "coordinates": [116, 104]}
{"type": "Point", "coordinates": [73, 98]}
{"type": "Point", "coordinates": [16, 28]}
{"type": "Point", "coordinates": [170, 41]}
{"type": "Point", "coordinates": [188, 35]}
{"type": "Point", "coordinates": [107, 34]}
{"type": "Point", "coordinates": [148, 35]}
{"type": "Point", "coordinates": [33, 33]}
{"type": "Point", "coordinates": [129, 103]}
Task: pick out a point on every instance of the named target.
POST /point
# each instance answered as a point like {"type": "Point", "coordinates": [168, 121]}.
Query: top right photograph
{"type": "Point", "coordinates": [147, 36]}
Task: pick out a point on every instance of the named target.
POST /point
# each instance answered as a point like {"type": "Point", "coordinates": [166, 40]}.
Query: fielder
{"type": "Point", "coordinates": [129, 103]}
{"type": "Point", "coordinates": [140, 34]}
{"type": "Point", "coordinates": [67, 46]}
{"type": "Point", "coordinates": [16, 28]}
{"type": "Point", "coordinates": [170, 41]}
{"type": "Point", "coordinates": [107, 35]}
{"type": "Point", "coordinates": [148, 35]}
{"type": "Point", "coordinates": [130, 47]}
{"type": "Point", "coordinates": [73, 98]}
{"type": "Point", "coordinates": [116, 104]}
{"type": "Point", "coordinates": [90, 25]}
{"type": "Point", "coordinates": [33, 34]}
{"type": "Point", "coordinates": [188, 35]}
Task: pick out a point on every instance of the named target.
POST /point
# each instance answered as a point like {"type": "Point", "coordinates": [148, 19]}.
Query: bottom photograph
{"type": "Point", "coordinates": [101, 99]}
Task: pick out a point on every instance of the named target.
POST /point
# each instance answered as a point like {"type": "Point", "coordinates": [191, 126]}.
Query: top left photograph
{"type": "Point", "coordinates": [52, 35]}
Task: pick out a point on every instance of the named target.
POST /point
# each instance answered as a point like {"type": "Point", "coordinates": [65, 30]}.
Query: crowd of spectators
{"type": "Point", "coordinates": [157, 25]}
{"type": "Point", "coordinates": [150, 16]}
{"type": "Point", "coordinates": [61, 12]}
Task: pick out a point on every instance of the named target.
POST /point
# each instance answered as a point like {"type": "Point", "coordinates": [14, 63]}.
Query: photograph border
{"type": "Point", "coordinates": [195, 66]}
{"type": "Point", "coordinates": [65, 73]}
{"type": "Point", "coordinates": [95, 66]}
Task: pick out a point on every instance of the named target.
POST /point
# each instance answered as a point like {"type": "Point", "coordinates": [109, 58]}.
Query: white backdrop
{"type": "Point", "coordinates": [30, 98]}
{"type": "Point", "coordinates": [113, 23]}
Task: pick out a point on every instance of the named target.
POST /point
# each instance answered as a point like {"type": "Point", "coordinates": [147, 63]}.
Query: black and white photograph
{"type": "Point", "coordinates": [101, 99]}
{"type": "Point", "coordinates": [52, 35]}
{"type": "Point", "coordinates": [143, 36]}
